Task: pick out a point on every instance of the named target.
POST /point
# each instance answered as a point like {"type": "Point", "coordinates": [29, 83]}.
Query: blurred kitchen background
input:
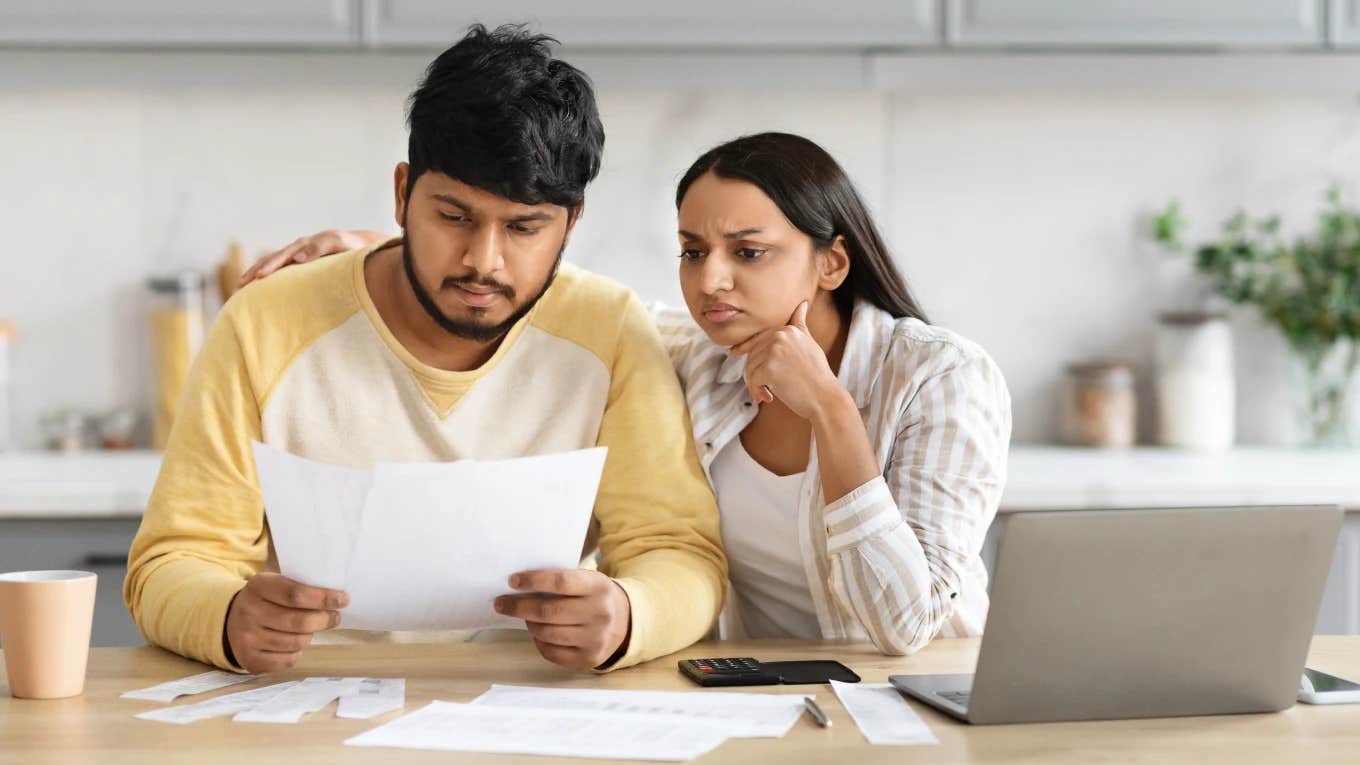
{"type": "Point", "coordinates": [1021, 156]}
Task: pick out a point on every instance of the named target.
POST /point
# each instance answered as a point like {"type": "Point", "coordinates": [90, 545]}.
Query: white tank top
{"type": "Point", "coordinates": [759, 512]}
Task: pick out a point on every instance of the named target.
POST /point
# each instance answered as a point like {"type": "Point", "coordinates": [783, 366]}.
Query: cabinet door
{"type": "Point", "coordinates": [1146, 23]}
{"type": "Point", "coordinates": [1343, 24]}
{"type": "Point", "coordinates": [695, 24]}
{"type": "Point", "coordinates": [97, 545]}
{"type": "Point", "coordinates": [182, 22]}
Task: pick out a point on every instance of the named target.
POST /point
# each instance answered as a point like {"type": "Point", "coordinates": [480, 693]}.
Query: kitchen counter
{"type": "Point", "coordinates": [1058, 478]}
{"type": "Point", "coordinates": [92, 484]}
{"type": "Point", "coordinates": [117, 484]}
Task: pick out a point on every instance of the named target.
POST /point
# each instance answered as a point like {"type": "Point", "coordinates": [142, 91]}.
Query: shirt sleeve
{"type": "Point", "coordinates": [202, 535]}
{"type": "Point", "coordinates": [900, 544]}
{"type": "Point", "coordinates": [658, 519]}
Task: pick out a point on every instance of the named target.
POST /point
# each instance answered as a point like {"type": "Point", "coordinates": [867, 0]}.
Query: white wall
{"type": "Point", "coordinates": [1019, 219]}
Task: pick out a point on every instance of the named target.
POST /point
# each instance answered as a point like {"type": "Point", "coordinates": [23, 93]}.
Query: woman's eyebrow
{"type": "Point", "coordinates": [742, 234]}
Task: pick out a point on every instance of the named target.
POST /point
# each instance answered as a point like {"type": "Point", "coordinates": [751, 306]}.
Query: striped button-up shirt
{"type": "Point", "coordinates": [898, 559]}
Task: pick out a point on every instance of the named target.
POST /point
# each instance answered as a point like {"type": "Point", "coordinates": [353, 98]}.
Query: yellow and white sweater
{"type": "Point", "coordinates": [303, 362]}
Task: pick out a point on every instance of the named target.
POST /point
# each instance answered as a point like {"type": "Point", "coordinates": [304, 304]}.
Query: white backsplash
{"type": "Point", "coordinates": [1019, 221]}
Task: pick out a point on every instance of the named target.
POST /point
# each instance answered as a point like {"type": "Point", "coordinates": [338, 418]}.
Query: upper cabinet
{"type": "Point", "coordinates": [632, 26]}
{"type": "Point", "coordinates": [151, 23]}
{"type": "Point", "coordinates": [629, 24]}
{"type": "Point", "coordinates": [1344, 23]}
{"type": "Point", "coordinates": [1056, 24]}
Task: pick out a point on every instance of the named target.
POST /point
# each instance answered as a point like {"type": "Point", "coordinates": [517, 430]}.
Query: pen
{"type": "Point", "coordinates": [816, 712]}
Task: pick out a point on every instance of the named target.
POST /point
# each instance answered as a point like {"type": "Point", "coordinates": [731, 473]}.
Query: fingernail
{"type": "Point", "coordinates": [515, 580]}
{"type": "Point", "coordinates": [500, 605]}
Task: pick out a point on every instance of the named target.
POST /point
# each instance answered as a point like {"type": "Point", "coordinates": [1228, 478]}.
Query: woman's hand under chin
{"type": "Point", "coordinates": [788, 364]}
{"type": "Point", "coordinates": [309, 248]}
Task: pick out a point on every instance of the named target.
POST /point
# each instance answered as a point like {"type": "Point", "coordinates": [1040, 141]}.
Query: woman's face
{"type": "Point", "coordinates": [744, 268]}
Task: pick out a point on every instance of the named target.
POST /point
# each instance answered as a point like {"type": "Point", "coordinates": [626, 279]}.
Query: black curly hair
{"type": "Point", "coordinates": [498, 112]}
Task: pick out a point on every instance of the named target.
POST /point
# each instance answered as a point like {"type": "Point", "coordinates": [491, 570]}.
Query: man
{"type": "Point", "coordinates": [465, 338]}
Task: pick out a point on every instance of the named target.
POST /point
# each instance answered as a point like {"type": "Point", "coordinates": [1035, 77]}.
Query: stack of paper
{"type": "Point", "coordinates": [563, 732]}
{"type": "Point", "coordinates": [413, 543]}
{"type": "Point", "coordinates": [740, 715]}
{"type": "Point", "coordinates": [640, 725]}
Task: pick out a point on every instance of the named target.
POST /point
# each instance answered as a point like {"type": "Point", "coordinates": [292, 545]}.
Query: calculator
{"type": "Point", "coordinates": [715, 672]}
{"type": "Point", "coordinates": [747, 671]}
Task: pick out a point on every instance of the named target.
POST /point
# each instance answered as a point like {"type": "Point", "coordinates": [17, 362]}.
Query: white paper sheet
{"type": "Point", "coordinates": [742, 715]}
{"type": "Point", "coordinates": [373, 697]}
{"type": "Point", "coordinates": [188, 686]}
{"type": "Point", "coordinates": [310, 695]}
{"type": "Point", "coordinates": [220, 706]}
{"type": "Point", "coordinates": [567, 733]}
{"type": "Point", "coordinates": [314, 512]}
{"type": "Point", "coordinates": [431, 545]}
{"type": "Point", "coordinates": [883, 716]}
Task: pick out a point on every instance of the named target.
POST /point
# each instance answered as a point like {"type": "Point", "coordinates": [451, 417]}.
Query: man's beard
{"type": "Point", "coordinates": [472, 330]}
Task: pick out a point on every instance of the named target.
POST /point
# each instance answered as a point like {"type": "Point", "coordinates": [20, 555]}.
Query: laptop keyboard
{"type": "Point", "coordinates": [955, 697]}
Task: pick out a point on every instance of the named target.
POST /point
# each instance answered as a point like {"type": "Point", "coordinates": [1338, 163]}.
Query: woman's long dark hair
{"type": "Point", "coordinates": [815, 194]}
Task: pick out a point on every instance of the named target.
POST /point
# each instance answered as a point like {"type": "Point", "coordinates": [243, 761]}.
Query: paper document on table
{"type": "Point", "coordinates": [883, 716]}
{"type": "Point", "coordinates": [562, 732]}
{"type": "Point", "coordinates": [742, 715]}
{"type": "Point", "coordinates": [188, 686]}
{"type": "Point", "coordinates": [220, 706]}
{"type": "Point", "coordinates": [430, 545]}
{"type": "Point", "coordinates": [310, 695]}
{"type": "Point", "coordinates": [373, 697]}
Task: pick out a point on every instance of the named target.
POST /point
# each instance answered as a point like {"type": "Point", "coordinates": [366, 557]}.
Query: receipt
{"type": "Point", "coordinates": [882, 715]}
{"type": "Point", "coordinates": [218, 707]}
{"type": "Point", "coordinates": [188, 686]}
{"type": "Point", "coordinates": [373, 697]}
{"type": "Point", "coordinates": [310, 695]}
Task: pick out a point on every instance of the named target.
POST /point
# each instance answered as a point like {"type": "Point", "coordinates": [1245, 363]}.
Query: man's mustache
{"type": "Point", "coordinates": [472, 281]}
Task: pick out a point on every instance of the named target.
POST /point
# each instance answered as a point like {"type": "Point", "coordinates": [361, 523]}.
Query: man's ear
{"type": "Point", "coordinates": [399, 178]}
{"type": "Point", "coordinates": [834, 267]}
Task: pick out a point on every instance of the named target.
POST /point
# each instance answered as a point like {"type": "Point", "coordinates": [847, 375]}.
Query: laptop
{"type": "Point", "coordinates": [1114, 614]}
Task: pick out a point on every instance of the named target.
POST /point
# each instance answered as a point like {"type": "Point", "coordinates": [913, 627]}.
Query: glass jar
{"type": "Point", "coordinates": [176, 322]}
{"type": "Point", "coordinates": [65, 430]}
{"type": "Point", "coordinates": [1099, 406]}
{"type": "Point", "coordinates": [1196, 388]}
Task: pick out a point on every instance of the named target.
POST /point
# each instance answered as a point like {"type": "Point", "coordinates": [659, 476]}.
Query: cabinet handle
{"type": "Point", "coordinates": [105, 559]}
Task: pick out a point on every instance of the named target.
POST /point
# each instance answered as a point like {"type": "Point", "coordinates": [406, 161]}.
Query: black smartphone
{"type": "Point", "coordinates": [712, 673]}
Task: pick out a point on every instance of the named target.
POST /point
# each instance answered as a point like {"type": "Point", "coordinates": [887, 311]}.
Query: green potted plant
{"type": "Point", "coordinates": [1308, 287]}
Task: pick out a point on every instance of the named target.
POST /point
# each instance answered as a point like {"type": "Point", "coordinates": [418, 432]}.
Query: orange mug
{"type": "Point", "coordinates": [45, 621]}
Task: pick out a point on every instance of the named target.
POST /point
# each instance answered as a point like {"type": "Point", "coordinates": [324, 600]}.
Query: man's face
{"type": "Point", "coordinates": [477, 262]}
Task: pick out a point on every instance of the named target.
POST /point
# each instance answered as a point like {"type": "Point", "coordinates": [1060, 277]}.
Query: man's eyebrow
{"type": "Point", "coordinates": [688, 236]}
{"type": "Point", "coordinates": [451, 199]}
{"type": "Point", "coordinates": [531, 217]}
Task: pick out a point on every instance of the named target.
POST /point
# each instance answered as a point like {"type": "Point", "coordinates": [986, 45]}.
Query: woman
{"type": "Point", "coordinates": [857, 453]}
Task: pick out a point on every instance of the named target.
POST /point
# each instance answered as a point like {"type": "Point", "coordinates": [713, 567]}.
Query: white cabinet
{"type": "Point", "coordinates": [638, 25]}
{"type": "Point", "coordinates": [1146, 23]}
{"type": "Point", "coordinates": [1343, 23]}
{"type": "Point", "coordinates": [151, 23]}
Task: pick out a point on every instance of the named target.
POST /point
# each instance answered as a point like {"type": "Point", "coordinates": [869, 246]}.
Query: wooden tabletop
{"type": "Point", "coordinates": [100, 728]}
